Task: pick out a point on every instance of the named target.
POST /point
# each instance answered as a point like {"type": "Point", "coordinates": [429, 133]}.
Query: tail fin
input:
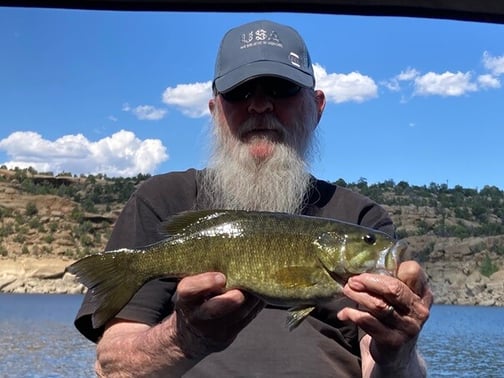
{"type": "Point", "coordinates": [111, 279]}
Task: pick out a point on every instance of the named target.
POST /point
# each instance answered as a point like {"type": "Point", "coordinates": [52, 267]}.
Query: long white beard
{"type": "Point", "coordinates": [235, 180]}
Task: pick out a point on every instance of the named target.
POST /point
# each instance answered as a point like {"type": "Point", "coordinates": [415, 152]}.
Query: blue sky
{"type": "Point", "coordinates": [120, 93]}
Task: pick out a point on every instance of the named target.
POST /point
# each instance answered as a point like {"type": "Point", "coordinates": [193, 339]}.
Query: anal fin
{"type": "Point", "coordinates": [297, 314]}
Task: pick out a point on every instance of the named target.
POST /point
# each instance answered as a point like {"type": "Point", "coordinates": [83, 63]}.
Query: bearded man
{"type": "Point", "coordinates": [265, 111]}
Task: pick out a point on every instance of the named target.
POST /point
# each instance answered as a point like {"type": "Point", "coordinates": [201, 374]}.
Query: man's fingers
{"type": "Point", "coordinates": [221, 305]}
{"type": "Point", "coordinates": [193, 291]}
{"type": "Point", "coordinates": [200, 285]}
{"type": "Point", "coordinates": [378, 290]}
{"type": "Point", "coordinates": [203, 297]}
{"type": "Point", "coordinates": [373, 326]}
{"type": "Point", "coordinates": [412, 274]}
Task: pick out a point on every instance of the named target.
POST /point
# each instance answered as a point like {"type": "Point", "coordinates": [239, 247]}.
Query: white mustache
{"type": "Point", "coordinates": [263, 122]}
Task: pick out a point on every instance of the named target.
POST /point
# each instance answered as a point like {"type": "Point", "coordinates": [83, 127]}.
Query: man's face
{"type": "Point", "coordinates": [265, 112]}
{"type": "Point", "coordinates": [263, 133]}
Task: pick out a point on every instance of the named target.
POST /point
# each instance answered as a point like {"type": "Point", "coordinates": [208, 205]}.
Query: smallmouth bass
{"type": "Point", "coordinates": [292, 261]}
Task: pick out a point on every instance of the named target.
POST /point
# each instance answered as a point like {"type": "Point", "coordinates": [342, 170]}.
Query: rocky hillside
{"type": "Point", "coordinates": [47, 221]}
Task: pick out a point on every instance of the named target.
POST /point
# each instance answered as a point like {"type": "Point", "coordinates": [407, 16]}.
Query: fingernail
{"type": "Point", "coordinates": [220, 279]}
{"type": "Point", "coordinates": [355, 284]}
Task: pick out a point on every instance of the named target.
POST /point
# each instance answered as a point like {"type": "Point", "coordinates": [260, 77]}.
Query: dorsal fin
{"type": "Point", "coordinates": [193, 220]}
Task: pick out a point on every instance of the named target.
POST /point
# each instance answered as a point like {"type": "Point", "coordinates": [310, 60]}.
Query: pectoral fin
{"type": "Point", "coordinates": [297, 314]}
{"type": "Point", "coordinates": [297, 276]}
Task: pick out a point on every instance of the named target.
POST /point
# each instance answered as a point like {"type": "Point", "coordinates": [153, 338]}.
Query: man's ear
{"type": "Point", "coordinates": [211, 105]}
{"type": "Point", "coordinates": [321, 102]}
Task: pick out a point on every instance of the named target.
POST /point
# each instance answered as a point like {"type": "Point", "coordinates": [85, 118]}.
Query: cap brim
{"type": "Point", "coordinates": [249, 71]}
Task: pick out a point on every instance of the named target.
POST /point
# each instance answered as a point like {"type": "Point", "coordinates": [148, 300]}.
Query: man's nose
{"type": "Point", "coordinates": [260, 101]}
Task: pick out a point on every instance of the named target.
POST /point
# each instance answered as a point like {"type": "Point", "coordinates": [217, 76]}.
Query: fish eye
{"type": "Point", "coordinates": [369, 238]}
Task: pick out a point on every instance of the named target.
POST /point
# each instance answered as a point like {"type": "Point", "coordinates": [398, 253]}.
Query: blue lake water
{"type": "Point", "coordinates": [37, 339]}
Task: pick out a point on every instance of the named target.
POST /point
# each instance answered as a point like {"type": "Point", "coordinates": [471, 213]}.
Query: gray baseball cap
{"type": "Point", "coordinates": [262, 48]}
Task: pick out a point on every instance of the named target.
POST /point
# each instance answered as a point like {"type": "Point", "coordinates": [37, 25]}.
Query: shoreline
{"type": "Point", "coordinates": [32, 275]}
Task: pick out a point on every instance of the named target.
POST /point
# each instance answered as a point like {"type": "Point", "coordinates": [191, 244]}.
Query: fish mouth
{"type": "Point", "coordinates": [399, 253]}
{"type": "Point", "coordinates": [391, 257]}
{"type": "Point", "coordinates": [399, 248]}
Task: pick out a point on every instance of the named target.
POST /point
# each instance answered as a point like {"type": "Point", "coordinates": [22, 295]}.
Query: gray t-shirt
{"type": "Point", "coordinates": [321, 346]}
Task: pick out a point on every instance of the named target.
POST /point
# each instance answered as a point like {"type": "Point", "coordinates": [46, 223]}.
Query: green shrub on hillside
{"type": "Point", "coordinates": [488, 267]}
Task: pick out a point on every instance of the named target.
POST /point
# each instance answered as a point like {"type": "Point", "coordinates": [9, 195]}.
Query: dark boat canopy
{"type": "Point", "coordinates": [469, 10]}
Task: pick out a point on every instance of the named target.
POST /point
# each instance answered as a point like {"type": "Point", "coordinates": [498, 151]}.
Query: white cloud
{"type": "Point", "coordinates": [190, 99]}
{"type": "Point", "coordinates": [340, 88]}
{"type": "Point", "coordinates": [445, 84]}
{"type": "Point", "coordinates": [408, 74]}
{"type": "Point", "coordinates": [145, 112]}
{"type": "Point", "coordinates": [148, 112]}
{"type": "Point", "coordinates": [394, 84]}
{"type": "Point", "coordinates": [449, 83]}
{"type": "Point", "coordinates": [488, 81]}
{"type": "Point", "coordinates": [495, 64]}
{"type": "Point", "coordinates": [121, 154]}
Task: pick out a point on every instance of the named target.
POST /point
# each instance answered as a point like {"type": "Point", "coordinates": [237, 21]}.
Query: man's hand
{"type": "Point", "coordinates": [391, 311]}
{"type": "Point", "coordinates": [208, 318]}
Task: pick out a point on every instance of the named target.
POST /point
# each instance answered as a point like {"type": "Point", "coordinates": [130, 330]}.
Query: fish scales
{"type": "Point", "coordinates": [241, 247]}
{"type": "Point", "coordinates": [260, 254]}
{"type": "Point", "coordinates": [287, 260]}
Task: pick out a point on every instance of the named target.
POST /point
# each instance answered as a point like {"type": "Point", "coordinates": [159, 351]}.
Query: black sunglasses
{"type": "Point", "coordinates": [271, 86]}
